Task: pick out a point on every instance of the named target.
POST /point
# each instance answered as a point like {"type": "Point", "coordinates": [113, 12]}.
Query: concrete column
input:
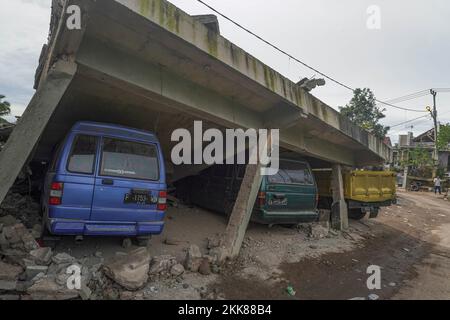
{"type": "Point", "coordinates": [242, 211]}
{"type": "Point", "coordinates": [339, 210]}
{"type": "Point", "coordinates": [30, 126]}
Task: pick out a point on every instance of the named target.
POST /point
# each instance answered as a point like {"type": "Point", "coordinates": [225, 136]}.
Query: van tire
{"type": "Point", "coordinates": [356, 214]}
{"type": "Point", "coordinates": [143, 241]}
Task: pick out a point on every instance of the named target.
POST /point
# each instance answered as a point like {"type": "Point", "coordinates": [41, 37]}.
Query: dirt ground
{"type": "Point", "coordinates": [409, 241]}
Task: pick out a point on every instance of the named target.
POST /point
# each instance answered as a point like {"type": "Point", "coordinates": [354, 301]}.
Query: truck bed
{"type": "Point", "coordinates": [361, 186]}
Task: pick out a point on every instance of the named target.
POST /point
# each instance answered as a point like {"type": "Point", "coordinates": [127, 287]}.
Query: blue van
{"type": "Point", "coordinates": [105, 180]}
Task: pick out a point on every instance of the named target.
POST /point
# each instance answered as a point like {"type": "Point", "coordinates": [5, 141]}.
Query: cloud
{"type": "Point", "coordinates": [23, 31]}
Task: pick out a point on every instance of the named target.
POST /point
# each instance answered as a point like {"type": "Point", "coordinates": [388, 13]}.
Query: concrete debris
{"type": "Point", "coordinates": [205, 267]}
{"type": "Point", "coordinates": [8, 285]}
{"type": "Point", "coordinates": [193, 258]}
{"type": "Point", "coordinates": [63, 258]}
{"type": "Point", "coordinates": [373, 296]}
{"type": "Point", "coordinates": [177, 270]}
{"type": "Point", "coordinates": [42, 256]}
{"type": "Point", "coordinates": [33, 271]}
{"type": "Point", "coordinates": [17, 236]}
{"type": "Point", "coordinates": [130, 271]}
{"type": "Point", "coordinates": [48, 289]}
{"type": "Point", "coordinates": [16, 207]}
{"type": "Point", "coordinates": [162, 264]}
{"type": "Point", "coordinates": [85, 292]}
{"type": "Point", "coordinates": [9, 272]}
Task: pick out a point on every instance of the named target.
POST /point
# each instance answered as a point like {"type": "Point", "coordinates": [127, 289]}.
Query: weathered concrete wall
{"type": "Point", "coordinates": [29, 128]}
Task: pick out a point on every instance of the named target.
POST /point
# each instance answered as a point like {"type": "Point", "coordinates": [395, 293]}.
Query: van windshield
{"type": "Point", "coordinates": [292, 173]}
{"type": "Point", "coordinates": [129, 160]}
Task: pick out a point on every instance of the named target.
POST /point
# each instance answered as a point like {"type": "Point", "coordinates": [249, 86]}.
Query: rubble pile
{"type": "Point", "coordinates": [22, 208]}
{"type": "Point", "coordinates": [29, 271]}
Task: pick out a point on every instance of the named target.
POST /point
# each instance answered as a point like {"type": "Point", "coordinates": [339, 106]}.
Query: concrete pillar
{"type": "Point", "coordinates": [242, 211]}
{"type": "Point", "coordinates": [339, 210]}
{"type": "Point", "coordinates": [29, 128]}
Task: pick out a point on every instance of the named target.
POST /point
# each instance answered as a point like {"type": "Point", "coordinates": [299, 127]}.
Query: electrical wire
{"type": "Point", "coordinates": [298, 60]}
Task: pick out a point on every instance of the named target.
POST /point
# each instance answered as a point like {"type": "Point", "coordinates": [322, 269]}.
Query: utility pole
{"type": "Point", "coordinates": [436, 132]}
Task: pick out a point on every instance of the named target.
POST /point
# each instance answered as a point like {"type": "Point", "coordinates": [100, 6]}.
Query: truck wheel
{"type": "Point", "coordinates": [356, 214]}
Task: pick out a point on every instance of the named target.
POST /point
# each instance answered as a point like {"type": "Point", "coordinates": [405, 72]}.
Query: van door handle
{"type": "Point", "coordinates": [279, 195]}
{"type": "Point", "coordinates": [108, 182]}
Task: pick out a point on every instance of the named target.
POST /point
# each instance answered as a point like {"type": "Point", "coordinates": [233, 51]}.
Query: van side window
{"type": "Point", "coordinates": [82, 157]}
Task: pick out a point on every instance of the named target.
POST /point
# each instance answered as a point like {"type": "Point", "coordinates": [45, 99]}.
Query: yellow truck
{"type": "Point", "coordinates": [364, 191]}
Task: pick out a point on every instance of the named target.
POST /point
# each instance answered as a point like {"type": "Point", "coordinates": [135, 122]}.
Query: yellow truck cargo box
{"type": "Point", "coordinates": [362, 186]}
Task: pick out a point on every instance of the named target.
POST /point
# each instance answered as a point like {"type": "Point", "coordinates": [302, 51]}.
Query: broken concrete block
{"type": "Point", "coordinates": [9, 272]}
{"type": "Point", "coordinates": [33, 271]}
{"type": "Point", "coordinates": [8, 285]}
{"type": "Point", "coordinates": [29, 242]}
{"type": "Point", "coordinates": [63, 258]}
{"type": "Point", "coordinates": [8, 221]}
{"type": "Point", "coordinates": [85, 292]}
{"type": "Point", "coordinates": [162, 264]}
{"type": "Point", "coordinates": [317, 231]}
{"type": "Point", "coordinates": [36, 232]}
{"type": "Point", "coordinates": [42, 255]}
{"type": "Point", "coordinates": [177, 270]}
{"type": "Point", "coordinates": [130, 271]}
{"type": "Point", "coordinates": [219, 254]}
{"type": "Point", "coordinates": [193, 258]}
{"type": "Point", "coordinates": [205, 267]}
{"type": "Point", "coordinates": [10, 235]}
{"type": "Point", "coordinates": [48, 289]}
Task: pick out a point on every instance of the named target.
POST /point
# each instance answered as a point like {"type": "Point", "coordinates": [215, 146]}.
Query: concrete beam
{"type": "Point", "coordinates": [242, 211]}
{"type": "Point", "coordinates": [26, 134]}
{"type": "Point", "coordinates": [339, 210]}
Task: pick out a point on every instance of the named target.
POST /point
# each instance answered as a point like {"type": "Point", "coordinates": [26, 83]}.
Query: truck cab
{"type": "Point", "coordinates": [105, 179]}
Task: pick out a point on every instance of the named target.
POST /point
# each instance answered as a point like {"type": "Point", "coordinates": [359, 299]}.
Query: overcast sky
{"type": "Point", "coordinates": [410, 53]}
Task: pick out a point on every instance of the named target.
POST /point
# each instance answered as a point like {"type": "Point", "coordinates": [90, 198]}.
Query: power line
{"type": "Point", "coordinates": [296, 59]}
{"type": "Point", "coordinates": [409, 121]}
{"type": "Point", "coordinates": [410, 96]}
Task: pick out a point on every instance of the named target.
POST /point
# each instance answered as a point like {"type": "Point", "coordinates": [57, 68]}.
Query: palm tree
{"type": "Point", "coordinates": [5, 106]}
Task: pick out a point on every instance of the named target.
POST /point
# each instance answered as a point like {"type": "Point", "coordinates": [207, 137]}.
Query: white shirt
{"type": "Point", "coordinates": [437, 182]}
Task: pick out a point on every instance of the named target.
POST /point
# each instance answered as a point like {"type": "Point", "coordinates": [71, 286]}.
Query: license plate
{"type": "Point", "coordinates": [138, 198]}
{"type": "Point", "coordinates": [278, 202]}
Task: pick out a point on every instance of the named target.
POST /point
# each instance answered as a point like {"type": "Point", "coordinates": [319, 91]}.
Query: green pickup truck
{"type": "Point", "coordinates": [288, 197]}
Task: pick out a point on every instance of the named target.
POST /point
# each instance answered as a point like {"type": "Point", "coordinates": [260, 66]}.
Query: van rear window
{"type": "Point", "coordinates": [292, 173]}
{"type": "Point", "coordinates": [129, 160]}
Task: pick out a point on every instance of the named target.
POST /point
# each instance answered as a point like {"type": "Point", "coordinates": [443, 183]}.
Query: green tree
{"type": "Point", "coordinates": [5, 106]}
{"type": "Point", "coordinates": [444, 137]}
{"type": "Point", "coordinates": [364, 112]}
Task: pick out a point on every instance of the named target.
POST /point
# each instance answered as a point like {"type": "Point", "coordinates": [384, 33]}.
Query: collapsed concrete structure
{"type": "Point", "coordinates": [147, 64]}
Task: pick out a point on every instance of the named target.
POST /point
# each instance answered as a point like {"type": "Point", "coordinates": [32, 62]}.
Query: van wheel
{"type": "Point", "coordinates": [143, 241]}
{"type": "Point", "coordinates": [356, 214]}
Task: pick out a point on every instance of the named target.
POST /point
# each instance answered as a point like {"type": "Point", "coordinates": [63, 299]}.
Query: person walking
{"type": "Point", "coordinates": [437, 185]}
